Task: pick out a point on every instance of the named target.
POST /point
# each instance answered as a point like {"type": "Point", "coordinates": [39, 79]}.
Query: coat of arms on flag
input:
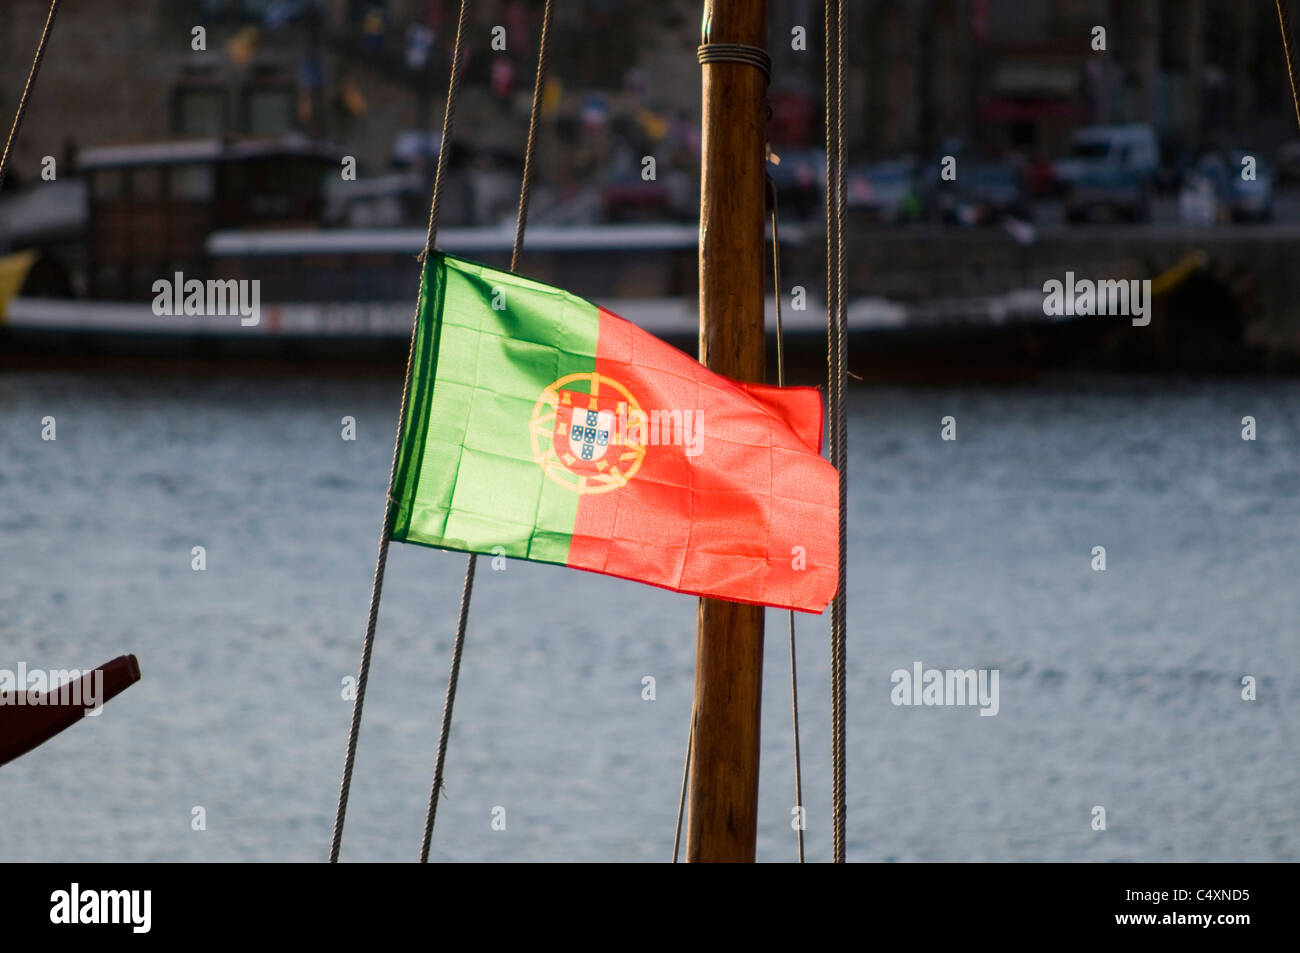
{"type": "Point", "coordinates": [580, 437]}
{"type": "Point", "coordinates": [589, 430]}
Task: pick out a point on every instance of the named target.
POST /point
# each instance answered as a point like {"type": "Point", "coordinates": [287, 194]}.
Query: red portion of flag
{"type": "Point", "coordinates": [731, 497]}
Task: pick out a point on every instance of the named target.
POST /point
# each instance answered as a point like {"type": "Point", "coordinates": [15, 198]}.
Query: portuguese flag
{"type": "Point", "coordinates": [542, 427]}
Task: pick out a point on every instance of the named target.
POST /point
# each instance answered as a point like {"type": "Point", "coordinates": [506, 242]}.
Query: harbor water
{"type": "Point", "coordinates": [1119, 689]}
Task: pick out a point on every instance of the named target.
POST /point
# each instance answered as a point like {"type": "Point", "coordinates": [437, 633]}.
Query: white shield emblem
{"type": "Point", "coordinates": [589, 432]}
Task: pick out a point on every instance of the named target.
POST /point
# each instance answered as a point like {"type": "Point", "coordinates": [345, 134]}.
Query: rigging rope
{"type": "Point", "coordinates": [381, 561]}
{"type": "Point", "coordinates": [521, 222]}
{"type": "Point", "coordinates": [1288, 40]}
{"type": "Point", "coordinates": [686, 776]}
{"type": "Point", "coordinates": [755, 56]}
{"type": "Point", "coordinates": [837, 334]}
{"type": "Point", "coordinates": [780, 382]}
{"type": "Point", "coordinates": [27, 90]}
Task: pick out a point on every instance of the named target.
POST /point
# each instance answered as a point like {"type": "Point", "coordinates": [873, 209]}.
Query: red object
{"type": "Point", "coordinates": [29, 719]}
{"type": "Point", "coordinates": [792, 119]}
{"type": "Point", "coordinates": [753, 516]}
{"type": "Point", "coordinates": [503, 78]}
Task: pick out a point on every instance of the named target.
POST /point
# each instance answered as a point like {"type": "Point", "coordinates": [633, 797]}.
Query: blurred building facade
{"type": "Point", "coordinates": [369, 74]}
{"type": "Point", "coordinates": [1010, 74]}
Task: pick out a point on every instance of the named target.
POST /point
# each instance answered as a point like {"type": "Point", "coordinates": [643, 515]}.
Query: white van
{"type": "Point", "coordinates": [1131, 147]}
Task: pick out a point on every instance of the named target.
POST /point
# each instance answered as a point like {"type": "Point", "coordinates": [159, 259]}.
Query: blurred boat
{"type": "Point", "coordinates": [13, 273]}
{"type": "Point", "coordinates": [1108, 190]}
{"type": "Point", "coordinates": [246, 215]}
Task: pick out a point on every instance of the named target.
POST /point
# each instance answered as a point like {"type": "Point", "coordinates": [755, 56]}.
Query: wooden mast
{"type": "Point", "coordinates": [729, 654]}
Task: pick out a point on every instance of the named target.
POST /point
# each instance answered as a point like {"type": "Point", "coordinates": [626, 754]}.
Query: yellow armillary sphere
{"type": "Point", "coordinates": [587, 440]}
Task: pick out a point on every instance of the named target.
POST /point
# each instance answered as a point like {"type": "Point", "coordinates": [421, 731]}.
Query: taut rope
{"type": "Point", "coordinates": [780, 382]}
{"type": "Point", "coordinates": [27, 90]}
{"type": "Point", "coordinates": [521, 222]}
{"type": "Point", "coordinates": [381, 562]}
{"type": "Point", "coordinates": [1288, 40]}
{"type": "Point", "coordinates": [837, 332]}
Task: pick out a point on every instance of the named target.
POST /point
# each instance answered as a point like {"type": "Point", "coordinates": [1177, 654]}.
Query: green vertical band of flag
{"type": "Point", "coordinates": [487, 344]}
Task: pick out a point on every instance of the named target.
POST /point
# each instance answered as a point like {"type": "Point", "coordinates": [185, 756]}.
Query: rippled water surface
{"type": "Point", "coordinates": [1119, 688]}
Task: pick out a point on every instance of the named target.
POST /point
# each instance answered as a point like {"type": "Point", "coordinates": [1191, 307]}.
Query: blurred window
{"type": "Point", "coordinates": [1092, 150]}
{"type": "Point", "coordinates": [193, 182]}
{"type": "Point", "coordinates": [200, 111]}
{"type": "Point", "coordinates": [269, 110]}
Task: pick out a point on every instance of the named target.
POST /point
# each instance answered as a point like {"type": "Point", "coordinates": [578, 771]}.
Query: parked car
{"type": "Point", "coordinates": [885, 192]}
{"type": "Point", "coordinates": [983, 193]}
{"type": "Point", "coordinates": [1287, 163]}
{"type": "Point", "coordinates": [1226, 187]}
{"type": "Point", "coordinates": [1108, 190]}
{"type": "Point", "coordinates": [1132, 147]}
{"type": "Point", "coordinates": [1249, 199]}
